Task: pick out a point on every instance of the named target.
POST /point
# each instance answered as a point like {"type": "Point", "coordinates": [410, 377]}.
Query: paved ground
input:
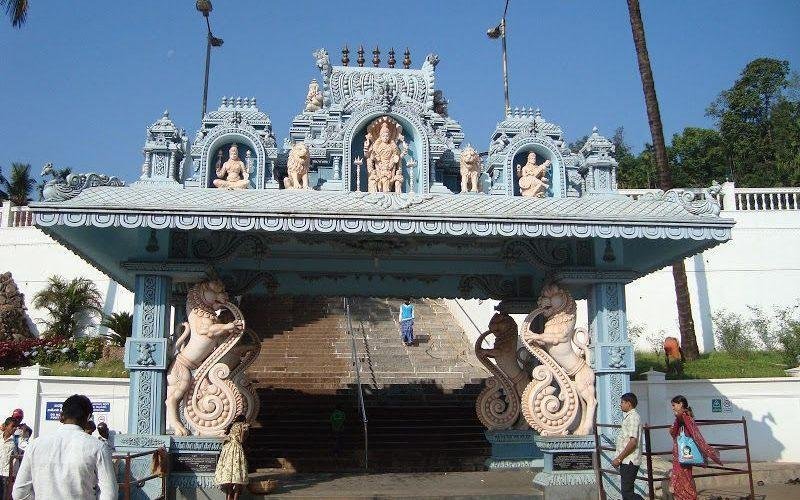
{"type": "Point", "coordinates": [493, 485]}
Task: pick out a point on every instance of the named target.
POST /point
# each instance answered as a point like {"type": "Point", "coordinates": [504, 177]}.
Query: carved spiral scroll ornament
{"type": "Point", "coordinates": [498, 404]}
{"type": "Point", "coordinates": [550, 403]}
{"type": "Point", "coordinates": [218, 393]}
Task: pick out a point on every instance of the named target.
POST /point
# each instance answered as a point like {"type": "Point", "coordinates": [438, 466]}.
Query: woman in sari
{"type": "Point", "coordinates": [681, 483]}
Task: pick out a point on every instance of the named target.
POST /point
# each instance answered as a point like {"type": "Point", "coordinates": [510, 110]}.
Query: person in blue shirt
{"type": "Point", "coordinates": [406, 319]}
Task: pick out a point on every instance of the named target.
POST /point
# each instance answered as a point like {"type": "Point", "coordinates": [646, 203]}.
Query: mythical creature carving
{"type": "Point", "coordinates": [297, 167]}
{"type": "Point", "coordinates": [323, 62]}
{"type": "Point", "coordinates": [470, 163]}
{"type": "Point", "coordinates": [232, 174]}
{"type": "Point", "coordinates": [562, 354]}
{"type": "Point", "coordinates": [65, 188]}
{"type": "Point", "coordinates": [498, 404]}
{"type": "Point", "coordinates": [314, 97]}
{"type": "Point", "coordinates": [206, 377]}
{"type": "Point", "coordinates": [533, 177]}
{"type": "Point", "coordinates": [384, 156]}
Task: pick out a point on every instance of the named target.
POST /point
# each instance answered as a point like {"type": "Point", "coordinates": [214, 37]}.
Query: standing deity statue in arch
{"type": "Point", "coordinates": [533, 178]}
{"type": "Point", "coordinates": [314, 97]}
{"type": "Point", "coordinates": [233, 173]}
{"type": "Point", "coordinates": [384, 155]}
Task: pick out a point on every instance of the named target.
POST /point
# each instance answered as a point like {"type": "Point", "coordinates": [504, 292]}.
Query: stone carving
{"type": "Point", "coordinates": [470, 163]}
{"type": "Point", "coordinates": [314, 97]}
{"type": "Point", "coordinates": [206, 376]}
{"type": "Point", "coordinates": [323, 62]}
{"type": "Point", "coordinates": [297, 167]}
{"type": "Point", "coordinates": [570, 408]}
{"type": "Point", "coordinates": [13, 320]}
{"type": "Point", "coordinates": [533, 177]}
{"type": "Point", "coordinates": [702, 203]}
{"type": "Point", "coordinates": [145, 354]}
{"type": "Point", "coordinates": [384, 156]}
{"type": "Point", "coordinates": [63, 189]}
{"type": "Point", "coordinates": [498, 404]}
{"type": "Point", "coordinates": [233, 173]}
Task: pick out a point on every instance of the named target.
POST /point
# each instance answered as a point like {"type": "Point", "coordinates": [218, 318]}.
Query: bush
{"type": "Point", "coordinates": [48, 351]}
{"type": "Point", "coordinates": [732, 333]}
{"type": "Point", "coordinates": [788, 333]}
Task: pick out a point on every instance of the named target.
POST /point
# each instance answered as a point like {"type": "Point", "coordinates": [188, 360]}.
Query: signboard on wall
{"type": "Point", "coordinates": [100, 409]}
{"type": "Point", "coordinates": [721, 405]}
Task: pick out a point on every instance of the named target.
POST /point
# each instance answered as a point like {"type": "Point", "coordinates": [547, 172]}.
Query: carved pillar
{"type": "Point", "coordinates": [612, 355]}
{"type": "Point", "coordinates": [146, 354]}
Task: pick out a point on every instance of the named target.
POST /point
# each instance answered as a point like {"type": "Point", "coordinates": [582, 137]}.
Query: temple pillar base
{"type": "Point", "coordinates": [513, 449]}
{"type": "Point", "coordinates": [568, 470]}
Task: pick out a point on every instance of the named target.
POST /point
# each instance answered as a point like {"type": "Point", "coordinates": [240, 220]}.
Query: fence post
{"type": "Point", "coordinates": [749, 465]}
{"type": "Point", "coordinates": [648, 449]}
{"type": "Point", "coordinates": [28, 397]}
{"type": "Point", "coordinates": [5, 214]}
{"type": "Point", "coordinates": [728, 196]}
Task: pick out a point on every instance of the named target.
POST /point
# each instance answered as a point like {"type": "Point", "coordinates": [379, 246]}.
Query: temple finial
{"type": "Point", "coordinates": [407, 59]}
{"type": "Point", "coordinates": [345, 56]}
{"type": "Point", "coordinates": [376, 57]}
{"type": "Point", "coordinates": [360, 59]}
{"type": "Point", "coordinates": [392, 60]}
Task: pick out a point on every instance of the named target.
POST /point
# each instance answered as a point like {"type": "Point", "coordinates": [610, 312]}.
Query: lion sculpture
{"type": "Point", "coordinates": [206, 376]}
{"type": "Point", "coordinates": [297, 167]}
{"type": "Point", "coordinates": [498, 404]}
{"type": "Point", "coordinates": [470, 163]}
{"type": "Point", "coordinates": [563, 361]}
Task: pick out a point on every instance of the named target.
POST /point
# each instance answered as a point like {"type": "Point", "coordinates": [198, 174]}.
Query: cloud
{"type": "Point", "coordinates": [170, 53]}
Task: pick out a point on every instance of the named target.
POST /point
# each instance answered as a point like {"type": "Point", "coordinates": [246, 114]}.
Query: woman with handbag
{"type": "Point", "coordinates": [688, 449]}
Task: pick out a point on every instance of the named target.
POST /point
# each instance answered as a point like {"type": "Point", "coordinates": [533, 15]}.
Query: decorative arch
{"type": "Point", "coordinates": [230, 133]}
{"type": "Point", "coordinates": [408, 120]}
{"type": "Point", "coordinates": [542, 146]}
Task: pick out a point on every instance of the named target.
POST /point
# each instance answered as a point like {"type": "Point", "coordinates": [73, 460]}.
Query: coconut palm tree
{"type": "Point", "coordinates": [685, 321]}
{"type": "Point", "coordinates": [121, 326]}
{"type": "Point", "coordinates": [19, 184]}
{"type": "Point", "coordinates": [17, 11]}
{"type": "Point", "coordinates": [71, 305]}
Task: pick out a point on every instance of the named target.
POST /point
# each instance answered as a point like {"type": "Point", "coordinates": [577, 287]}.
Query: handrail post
{"type": "Point", "coordinates": [357, 368]}
{"type": "Point", "coordinates": [648, 449]}
{"type": "Point", "coordinates": [127, 485]}
{"type": "Point", "coordinates": [749, 466]}
{"type": "Point", "coordinates": [599, 461]}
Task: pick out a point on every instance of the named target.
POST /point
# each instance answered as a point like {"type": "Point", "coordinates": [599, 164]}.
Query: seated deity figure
{"type": "Point", "coordinates": [384, 168]}
{"type": "Point", "coordinates": [314, 97]}
{"type": "Point", "coordinates": [233, 173]}
{"type": "Point", "coordinates": [533, 177]}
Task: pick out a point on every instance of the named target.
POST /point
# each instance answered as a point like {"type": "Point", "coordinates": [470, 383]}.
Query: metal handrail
{"type": "Point", "coordinates": [126, 484]}
{"type": "Point", "coordinates": [357, 368]}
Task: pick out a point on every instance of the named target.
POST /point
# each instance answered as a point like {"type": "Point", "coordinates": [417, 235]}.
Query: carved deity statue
{"type": "Point", "coordinates": [314, 97]}
{"type": "Point", "coordinates": [533, 177]}
{"type": "Point", "coordinates": [561, 350]}
{"type": "Point", "coordinates": [384, 156]}
{"type": "Point", "coordinates": [206, 376]}
{"type": "Point", "coordinates": [470, 163]}
{"type": "Point", "coordinates": [233, 173]}
{"type": "Point", "coordinates": [297, 167]}
{"type": "Point", "coordinates": [498, 404]}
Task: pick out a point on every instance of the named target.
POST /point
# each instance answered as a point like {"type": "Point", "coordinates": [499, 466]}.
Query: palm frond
{"type": "Point", "coordinates": [70, 305]}
{"type": "Point", "coordinates": [121, 326]}
{"type": "Point", "coordinates": [17, 11]}
{"type": "Point", "coordinates": [20, 184]}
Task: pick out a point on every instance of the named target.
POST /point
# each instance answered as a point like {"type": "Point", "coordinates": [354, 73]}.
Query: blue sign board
{"type": "Point", "coordinates": [53, 409]}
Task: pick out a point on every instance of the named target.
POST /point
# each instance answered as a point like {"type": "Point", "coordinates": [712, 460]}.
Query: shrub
{"type": "Point", "coordinates": [732, 333]}
{"type": "Point", "coordinates": [47, 351]}
{"type": "Point", "coordinates": [788, 333]}
{"type": "Point", "coordinates": [121, 326]}
{"type": "Point", "coordinates": [70, 304]}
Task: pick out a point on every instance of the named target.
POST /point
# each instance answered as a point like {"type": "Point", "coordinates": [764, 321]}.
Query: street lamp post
{"type": "Point", "coordinates": [205, 7]}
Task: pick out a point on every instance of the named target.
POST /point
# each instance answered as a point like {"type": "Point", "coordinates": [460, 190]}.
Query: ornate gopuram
{"type": "Point", "coordinates": [375, 193]}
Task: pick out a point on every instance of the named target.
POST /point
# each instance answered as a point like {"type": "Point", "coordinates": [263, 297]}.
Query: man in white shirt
{"type": "Point", "coordinates": [629, 453]}
{"type": "Point", "coordinates": [68, 464]}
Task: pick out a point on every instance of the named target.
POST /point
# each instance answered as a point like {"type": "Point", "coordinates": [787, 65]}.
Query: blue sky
{"type": "Point", "coordinates": [81, 81]}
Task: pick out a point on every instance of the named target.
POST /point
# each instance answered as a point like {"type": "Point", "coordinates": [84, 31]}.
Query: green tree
{"type": "Point", "coordinates": [121, 326]}
{"type": "Point", "coordinates": [633, 172]}
{"type": "Point", "coordinates": [19, 184]}
{"type": "Point", "coordinates": [685, 321]}
{"type": "Point", "coordinates": [759, 125]}
{"type": "Point", "coordinates": [3, 180]}
{"type": "Point", "coordinates": [16, 10]}
{"type": "Point", "coordinates": [698, 157]}
{"type": "Point", "coordinates": [71, 305]}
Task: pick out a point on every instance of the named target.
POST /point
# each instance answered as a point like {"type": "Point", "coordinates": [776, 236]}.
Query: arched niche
{"type": "Point", "coordinates": [545, 149]}
{"type": "Point", "coordinates": [416, 139]}
{"type": "Point", "coordinates": [221, 139]}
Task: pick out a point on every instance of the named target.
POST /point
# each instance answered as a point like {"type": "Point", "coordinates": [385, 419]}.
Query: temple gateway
{"type": "Point", "coordinates": [375, 193]}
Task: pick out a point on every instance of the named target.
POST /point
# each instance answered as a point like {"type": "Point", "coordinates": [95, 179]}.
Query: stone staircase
{"type": "Point", "coordinates": [419, 400]}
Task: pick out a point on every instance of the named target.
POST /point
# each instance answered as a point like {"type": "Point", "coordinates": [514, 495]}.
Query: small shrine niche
{"type": "Point", "coordinates": [233, 165]}
{"type": "Point", "coordinates": [384, 158]}
{"type": "Point", "coordinates": [532, 173]}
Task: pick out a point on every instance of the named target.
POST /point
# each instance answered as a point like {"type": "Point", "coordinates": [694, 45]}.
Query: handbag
{"type": "Point", "coordinates": [688, 452]}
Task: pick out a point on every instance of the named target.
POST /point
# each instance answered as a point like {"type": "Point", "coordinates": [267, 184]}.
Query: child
{"type": "Point", "coordinates": [406, 319]}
